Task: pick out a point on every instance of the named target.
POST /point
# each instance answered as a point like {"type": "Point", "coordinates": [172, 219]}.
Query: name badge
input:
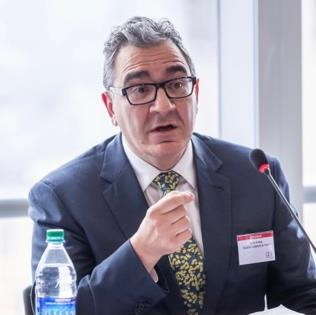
{"type": "Point", "coordinates": [255, 248]}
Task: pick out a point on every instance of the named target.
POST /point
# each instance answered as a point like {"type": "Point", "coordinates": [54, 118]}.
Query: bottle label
{"type": "Point", "coordinates": [55, 306]}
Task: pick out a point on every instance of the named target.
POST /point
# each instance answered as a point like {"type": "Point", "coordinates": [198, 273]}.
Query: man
{"type": "Point", "coordinates": [155, 216]}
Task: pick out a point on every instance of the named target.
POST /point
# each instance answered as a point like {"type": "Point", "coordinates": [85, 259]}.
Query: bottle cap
{"type": "Point", "coordinates": [55, 236]}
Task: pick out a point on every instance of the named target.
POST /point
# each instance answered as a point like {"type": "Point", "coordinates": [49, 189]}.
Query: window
{"type": "Point", "coordinates": [15, 264]}
{"type": "Point", "coordinates": [309, 113]}
{"type": "Point", "coordinates": [51, 79]}
{"type": "Point", "coordinates": [51, 110]}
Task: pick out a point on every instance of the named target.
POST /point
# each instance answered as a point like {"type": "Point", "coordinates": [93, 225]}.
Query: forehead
{"type": "Point", "coordinates": [152, 63]}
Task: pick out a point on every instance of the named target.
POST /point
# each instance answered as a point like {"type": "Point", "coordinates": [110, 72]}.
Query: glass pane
{"type": "Point", "coordinates": [51, 77]}
{"type": "Point", "coordinates": [309, 219]}
{"type": "Point", "coordinates": [50, 106]}
{"type": "Point", "coordinates": [309, 91]}
{"type": "Point", "coordinates": [15, 263]}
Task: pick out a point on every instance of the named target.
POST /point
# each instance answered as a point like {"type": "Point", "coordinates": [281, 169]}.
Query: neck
{"type": "Point", "coordinates": [166, 163]}
{"type": "Point", "coordinates": [162, 162]}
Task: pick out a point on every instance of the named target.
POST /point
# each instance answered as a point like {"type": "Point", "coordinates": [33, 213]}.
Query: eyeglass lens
{"type": "Point", "coordinates": [147, 92]}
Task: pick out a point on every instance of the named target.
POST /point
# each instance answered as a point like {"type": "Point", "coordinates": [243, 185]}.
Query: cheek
{"type": "Point", "coordinates": [135, 120]}
{"type": "Point", "coordinates": [189, 114]}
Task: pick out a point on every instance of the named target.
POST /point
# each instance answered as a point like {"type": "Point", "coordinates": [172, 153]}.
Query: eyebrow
{"type": "Point", "coordinates": [144, 74]}
{"type": "Point", "coordinates": [176, 68]}
{"type": "Point", "coordinates": [136, 75]}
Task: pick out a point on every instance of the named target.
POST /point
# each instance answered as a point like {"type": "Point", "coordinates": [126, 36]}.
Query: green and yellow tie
{"type": "Point", "coordinates": [187, 264]}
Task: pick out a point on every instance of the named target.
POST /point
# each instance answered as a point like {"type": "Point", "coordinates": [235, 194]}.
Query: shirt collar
{"type": "Point", "coordinates": [145, 172]}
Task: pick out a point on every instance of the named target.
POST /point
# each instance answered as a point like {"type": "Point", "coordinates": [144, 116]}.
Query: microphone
{"type": "Point", "coordinates": [260, 162]}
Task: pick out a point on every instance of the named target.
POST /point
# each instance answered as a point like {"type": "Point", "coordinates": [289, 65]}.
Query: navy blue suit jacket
{"type": "Point", "coordinates": [97, 199]}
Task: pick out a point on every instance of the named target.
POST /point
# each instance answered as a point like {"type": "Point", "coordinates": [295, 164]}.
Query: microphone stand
{"type": "Point", "coordinates": [288, 205]}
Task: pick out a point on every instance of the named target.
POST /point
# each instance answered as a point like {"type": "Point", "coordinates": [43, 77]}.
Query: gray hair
{"type": "Point", "coordinates": [140, 32]}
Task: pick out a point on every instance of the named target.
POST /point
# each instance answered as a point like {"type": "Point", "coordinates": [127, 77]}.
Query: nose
{"type": "Point", "coordinates": [162, 103]}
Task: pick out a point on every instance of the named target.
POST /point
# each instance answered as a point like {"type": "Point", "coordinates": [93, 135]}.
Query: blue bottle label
{"type": "Point", "coordinates": [55, 306]}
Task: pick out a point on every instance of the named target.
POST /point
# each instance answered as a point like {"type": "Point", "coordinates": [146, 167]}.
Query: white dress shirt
{"type": "Point", "coordinates": [146, 173]}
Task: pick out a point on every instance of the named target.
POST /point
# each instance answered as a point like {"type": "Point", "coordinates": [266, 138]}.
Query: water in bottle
{"type": "Point", "coordinates": [55, 278]}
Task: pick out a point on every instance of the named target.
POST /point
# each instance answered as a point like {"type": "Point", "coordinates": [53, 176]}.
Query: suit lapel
{"type": "Point", "coordinates": [123, 193]}
{"type": "Point", "coordinates": [126, 200]}
{"type": "Point", "coordinates": [215, 212]}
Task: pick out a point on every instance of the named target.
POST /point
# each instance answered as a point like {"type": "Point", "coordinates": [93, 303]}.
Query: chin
{"type": "Point", "coordinates": [168, 150]}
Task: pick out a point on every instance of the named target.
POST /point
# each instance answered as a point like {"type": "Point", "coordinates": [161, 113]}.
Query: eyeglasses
{"type": "Point", "coordinates": [145, 93]}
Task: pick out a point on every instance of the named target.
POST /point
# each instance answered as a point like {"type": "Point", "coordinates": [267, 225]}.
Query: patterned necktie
{"type": "Point", "coordinates": [187, 264]}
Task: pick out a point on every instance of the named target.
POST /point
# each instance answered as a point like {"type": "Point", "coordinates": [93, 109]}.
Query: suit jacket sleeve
{"type": "Point", "coordinates": [118, 285]}
{"type": "Point", "coordinates": [292, 277]}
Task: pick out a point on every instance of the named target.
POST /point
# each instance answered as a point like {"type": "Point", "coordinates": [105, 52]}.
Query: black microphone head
{"type": "Point", "coordinates": [259, 160]}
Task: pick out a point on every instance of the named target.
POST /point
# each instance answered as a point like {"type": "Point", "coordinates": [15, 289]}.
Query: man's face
{"type": "Point", "coordinates": [158, 132]}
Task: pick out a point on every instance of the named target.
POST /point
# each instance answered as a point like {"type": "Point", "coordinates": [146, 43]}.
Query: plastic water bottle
{"type": "Point", "coordinates": [55, 278]}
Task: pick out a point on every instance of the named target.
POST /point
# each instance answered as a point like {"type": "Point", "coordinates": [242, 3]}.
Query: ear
{"type": "Point", "coordinates": [107, 100]}
{"type": "Point", "coordinates": [196, 90]}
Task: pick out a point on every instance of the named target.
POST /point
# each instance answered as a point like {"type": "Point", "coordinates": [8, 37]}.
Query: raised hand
{"type": "Point", "coordinates": [164, 229]}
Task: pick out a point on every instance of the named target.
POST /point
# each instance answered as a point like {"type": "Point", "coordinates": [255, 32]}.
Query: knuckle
{"type": "Point", "coordinates": [181, 211]}
{"type": "Point", "coordinates": [152, 213]}
{"type": "Point", "coordinates": [187, 220]}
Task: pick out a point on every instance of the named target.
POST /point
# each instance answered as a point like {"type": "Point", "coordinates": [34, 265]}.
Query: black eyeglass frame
{"type": "Point", "coordinates": [123, 91]}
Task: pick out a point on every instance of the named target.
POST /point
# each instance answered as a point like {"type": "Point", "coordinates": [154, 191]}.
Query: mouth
{"type": "Point", "coordinates": [164, 128]}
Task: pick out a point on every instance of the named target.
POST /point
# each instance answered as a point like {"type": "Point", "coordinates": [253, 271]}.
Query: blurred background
{"type": "Point", "coordinates": [256, 60]}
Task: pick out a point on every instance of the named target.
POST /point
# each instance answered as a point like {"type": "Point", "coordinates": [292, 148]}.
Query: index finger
{"type": "Point", "coordinates": [174, 199]}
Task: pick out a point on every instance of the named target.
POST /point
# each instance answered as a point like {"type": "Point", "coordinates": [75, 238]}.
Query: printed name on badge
{"type": "Point", "coordinates": [255, 248]}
